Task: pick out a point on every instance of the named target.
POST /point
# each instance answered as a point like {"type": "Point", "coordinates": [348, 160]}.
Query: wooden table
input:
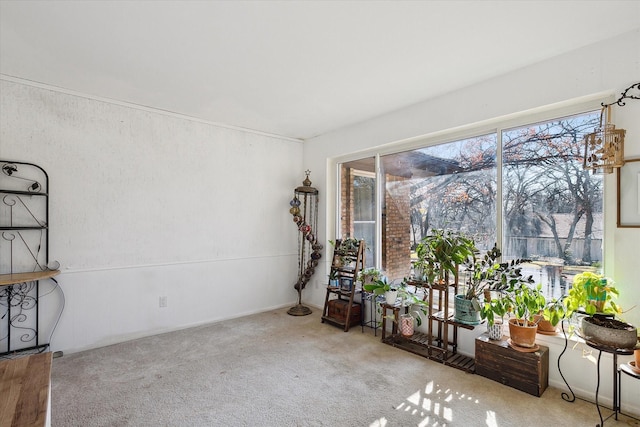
{"type": "Point", "coordinates": [24, 390]}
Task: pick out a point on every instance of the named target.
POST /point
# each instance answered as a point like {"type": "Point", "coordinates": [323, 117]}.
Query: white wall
{"type": "Point", "coordinates": [147, 204]}
{"type": "Point", "coordinates": [607, 67]}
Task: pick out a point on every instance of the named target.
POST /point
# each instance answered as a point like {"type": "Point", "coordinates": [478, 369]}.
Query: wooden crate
{"type": "Point", "coordinates": [528, 372]}
{"type": "Point", "coordinates": [338, 310]}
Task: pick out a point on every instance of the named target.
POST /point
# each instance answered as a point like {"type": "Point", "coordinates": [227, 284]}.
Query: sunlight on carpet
{"type": "Point", "coordinates": [434, 405]}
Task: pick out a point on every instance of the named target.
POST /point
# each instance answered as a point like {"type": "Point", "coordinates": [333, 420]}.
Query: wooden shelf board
{"type": "Point", "coordinates": [415, 346]}
{"type": "Point", "coordinates": [12, 279]}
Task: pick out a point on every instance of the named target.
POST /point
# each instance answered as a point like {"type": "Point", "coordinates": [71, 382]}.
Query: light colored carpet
{"type": "Point", "coordinates": [272, 369]}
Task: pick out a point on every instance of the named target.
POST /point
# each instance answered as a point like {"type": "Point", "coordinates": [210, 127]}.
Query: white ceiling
{"type": "Point", "coordinates": [291, 68]}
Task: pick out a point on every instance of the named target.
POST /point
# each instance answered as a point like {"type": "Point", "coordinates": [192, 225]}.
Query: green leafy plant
{"type": "Point", "coordinates": [593, 293]}
{"type": "Point", "coordinates": [345, 244]}
{"type": "Point", "coordinates": [417, 306]}
{"type": "Point", "coordinates": [442, 251]}
{"type": "Point", "coordinates": [379, 287]}
{"type": "Point", "coordinates": [370, 274]}
{"type": "Point", "coordinates": [521, 299]}
{"type": "Point", "coordinates": [493, 309]}
{"type": "Point", "coordinates": [343, 248]}
{"type": "Point", "coordinates": [482, 273]}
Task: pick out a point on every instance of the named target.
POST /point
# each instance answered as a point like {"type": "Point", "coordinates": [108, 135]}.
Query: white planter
{"type": "Point", "coordinates": [390, 297]}
{"type": "Point", "coordinates": [495, 331]}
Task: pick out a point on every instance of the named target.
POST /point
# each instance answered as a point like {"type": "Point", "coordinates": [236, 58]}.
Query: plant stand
{"type": "Point", "coordinates": [616, 397]}
{"type": "Point", "coordinates": [347, 274]}
{"type": "Point", "coordinates": [437, 344]}
{"type": "Point", "coordinates": [626, 369]}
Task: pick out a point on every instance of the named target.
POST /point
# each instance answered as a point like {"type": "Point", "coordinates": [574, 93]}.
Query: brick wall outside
{"type": "Point", "coordinates": [396, 228]}
{"type": "Point", "coordinates": [346, 196]}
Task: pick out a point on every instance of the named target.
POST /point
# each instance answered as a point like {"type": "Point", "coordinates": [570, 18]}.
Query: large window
{"type": "Point", "coordinates": [550, 208]}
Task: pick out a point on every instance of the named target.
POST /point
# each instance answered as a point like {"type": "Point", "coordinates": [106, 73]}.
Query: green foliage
{"type": "Point", "coordinates": [555, 311]}
{"type": "Point", "coordinates": [345, 244]}
{"type": "Point", "coordinates": [482, 272]}
{"type": "Point", "coordinates": [592, 293]}
{"type": "Point", "coordinates": [379, 287]}
{"type": "Point", "coordinates": [521, 299]}
{"type": "Point", "coordinates": [417, 305]}
{"type": "Point", "coordinates": [442, 251]}
{"type": "Point", "coordinates": [487, 274]}
{"type": "Point", "coordinates": [373, 273]}
{"type": "Point", "coordinates": [493, 309]}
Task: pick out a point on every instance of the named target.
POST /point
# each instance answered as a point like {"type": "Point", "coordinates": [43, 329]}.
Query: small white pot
{"type": "Point", "coordinates": [390, 297]}
{"type": "Point", "coordinates": [495, 331]}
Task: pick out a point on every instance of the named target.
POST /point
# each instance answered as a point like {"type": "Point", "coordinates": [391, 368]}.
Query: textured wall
{"type": "Point", "coordinates": [146, 204]}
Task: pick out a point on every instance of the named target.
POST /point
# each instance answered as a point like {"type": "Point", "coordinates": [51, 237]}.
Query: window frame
{"type": "Point", "coordinates": [496, 125]}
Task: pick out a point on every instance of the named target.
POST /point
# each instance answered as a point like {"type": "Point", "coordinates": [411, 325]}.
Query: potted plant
{"type": "Point", "coordinates": [342, 247]}
{"type": "Point", "coordinates": [369, 275]}
{"type": "Point", "coordinates": [417, 308]}
{"type": "Point", "coordinates": [481, 276]}
{"type": "Point", "coordinates": [334, 276]}
{"type": "Point", "coordinates": [382, 287]}
{"type": "Point", "coordinates": [493, 311]}
{"type": "Point", "coordinates": [442, 252]}
{"type": "Point", "coordinates": [421, 267]}
{"type": "Point", "coordinates": [525, 302]}
{"type": "Point", "coordinates": [591, 298]}
{"type": "Point", "coordinates": [485, 274]}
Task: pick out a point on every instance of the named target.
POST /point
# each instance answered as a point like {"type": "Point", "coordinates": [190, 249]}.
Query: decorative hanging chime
{"type": "Point", "coordinates": [304, 208]}
{"type": "Point", "coordinates": [604, 147]}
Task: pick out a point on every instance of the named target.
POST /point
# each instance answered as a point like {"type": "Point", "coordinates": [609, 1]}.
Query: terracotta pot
{"type": "Point", "coordinates": [522, 335]}
{"type": "Point", "coordinates": [543, 324]}
{"type": "Point", "coordinates": [637, 356]}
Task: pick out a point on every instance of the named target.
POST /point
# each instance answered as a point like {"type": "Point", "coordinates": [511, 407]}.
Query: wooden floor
{"type": "Point", "coordinates": [24, 390]}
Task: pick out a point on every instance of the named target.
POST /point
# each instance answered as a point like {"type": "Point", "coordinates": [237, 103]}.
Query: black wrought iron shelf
{"type": "Point", "coordinates": [24, 211]}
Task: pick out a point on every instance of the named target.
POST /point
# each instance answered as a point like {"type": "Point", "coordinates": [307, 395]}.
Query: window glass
{"type": "Point", "coordinates": [552, 207]}
{"type": "Point", "coordinates": [450, 185]}
{"type": "Point", "coordinates": [358, 204]}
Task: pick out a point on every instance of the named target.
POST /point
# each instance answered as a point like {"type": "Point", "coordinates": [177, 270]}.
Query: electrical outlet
{"type": "Point", "coordinates": [163, 301]}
